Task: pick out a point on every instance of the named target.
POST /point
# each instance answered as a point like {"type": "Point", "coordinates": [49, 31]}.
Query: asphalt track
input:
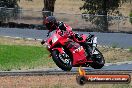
{"type": "Point", "coordinates": [107, 69]}
{"type": "Point", "coordinates": [120, 39]}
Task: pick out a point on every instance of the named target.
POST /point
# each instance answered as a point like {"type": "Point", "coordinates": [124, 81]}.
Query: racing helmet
{"type": "Point", "coordinates": [50, 23]}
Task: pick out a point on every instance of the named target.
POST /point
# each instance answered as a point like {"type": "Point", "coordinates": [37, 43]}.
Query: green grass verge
{"type": "Point", "coordinates": [130, 49]}
{"type": "Point", "coordinates": [23, 57]}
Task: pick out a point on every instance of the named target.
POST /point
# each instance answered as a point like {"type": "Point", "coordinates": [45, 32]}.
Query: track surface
{"type": "Point", "coordinates": [117, 68]}
{"type": "Point", "coordinates": [120, 40]}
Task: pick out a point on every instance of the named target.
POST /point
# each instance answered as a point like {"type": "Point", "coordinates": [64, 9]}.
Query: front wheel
{"type": "Point", "coordinates": [62, 61]}
{"type": "Point", "coordinates": [98, 60]}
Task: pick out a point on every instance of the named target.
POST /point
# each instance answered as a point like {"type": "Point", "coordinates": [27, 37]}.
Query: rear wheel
{"type": "Point", "coordinates": [98, 60]}
{"type": "Point", "coordinates": [62, 61]}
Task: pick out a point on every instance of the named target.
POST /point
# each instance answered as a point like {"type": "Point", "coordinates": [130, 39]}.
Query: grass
{"type": "Point", "coordinates": [29, 54]}
{"type": "Point", "coordinates": [114, 45]}
{"type": "Point", "coordinates": [130, 49]}
{"type": "Point", "coordinates": [18, 41]}
{"type": "Point", "coordinates": [22, 57]}
{"type": "Point", "coordinates": [113, 55]}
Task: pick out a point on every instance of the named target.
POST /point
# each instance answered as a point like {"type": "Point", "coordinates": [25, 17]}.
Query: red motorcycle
{"type": "Point", "coordinates": [67, 53]}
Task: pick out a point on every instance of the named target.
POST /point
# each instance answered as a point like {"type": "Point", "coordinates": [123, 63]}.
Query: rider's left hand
{"type": "Point", "coordinates": [42, 42]}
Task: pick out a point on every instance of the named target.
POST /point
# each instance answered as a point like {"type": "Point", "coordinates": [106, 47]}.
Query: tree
{"type": "Point", "coordinates": [7, 14]}
{"type": "Point", "coordinates": [130, 19]}
{"type": "Point", "coordinates": [101, 7]}
{"type": "Point", "coordinates": [8, 3]}
{"type": "Point", "coordinates": [49, 5]}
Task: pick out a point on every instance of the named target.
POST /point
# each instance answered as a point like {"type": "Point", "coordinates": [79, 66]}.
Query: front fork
{"type": "Point", "coordinates": [90, 47]}
{"type": "Point", "coordinates": [59, 49]}
{"type": "Point", "coordinates": [94, 45]}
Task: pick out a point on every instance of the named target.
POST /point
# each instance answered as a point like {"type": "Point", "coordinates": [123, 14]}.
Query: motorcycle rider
{"type": "Point", "coordinates": [52, 24]}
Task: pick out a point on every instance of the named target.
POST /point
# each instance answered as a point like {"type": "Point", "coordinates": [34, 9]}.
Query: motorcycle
{"type": "Point", "coordinates": [67, 53]}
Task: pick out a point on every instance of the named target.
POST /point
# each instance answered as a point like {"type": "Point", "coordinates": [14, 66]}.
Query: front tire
{"type": "Point", "coordinates": [56, 58]}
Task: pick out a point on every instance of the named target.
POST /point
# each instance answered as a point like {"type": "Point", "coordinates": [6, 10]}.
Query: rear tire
{"type": "Point", "coordinates": [59, 62]}
{"type": "Point", "coordinates": [98, 60]}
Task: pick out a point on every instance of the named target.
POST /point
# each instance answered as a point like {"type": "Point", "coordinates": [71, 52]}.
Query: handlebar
{"type": "Point", "coordinates": [89, 37]}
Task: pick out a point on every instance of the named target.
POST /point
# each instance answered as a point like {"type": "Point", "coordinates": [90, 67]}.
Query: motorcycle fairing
{"type": "Point", "coordinates": [78, 53]}
{"type": "Point", "coordinates": [60, 49]}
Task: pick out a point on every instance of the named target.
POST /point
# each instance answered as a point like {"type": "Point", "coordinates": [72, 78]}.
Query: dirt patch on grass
{"type": "Point", "coordinates": [61, 6]}
{"type": "Point", "coordinates": [51, 81]}
{"type": "Point", "coordinates": [112, 55]}
{"type": "Point", "coordinates": [18, 41]}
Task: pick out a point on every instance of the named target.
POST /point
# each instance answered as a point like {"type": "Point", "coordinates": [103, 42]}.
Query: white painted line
{"type": "Point", "coordinates": [108, 64]}
{"type": "Point", "coordinates": [6, 36]}
{"type": "Point", "coordinates": [23, 38]}
{"type": "Point", "coordinates": [111, 47]}
{"type": "Point", "coordinates": [119, 63]}
{"type": "Point", "coordinates": [29, 38]}
{"type": "Point", "coordinates": [39, 39]}
{"type": "Point", "coordinates": [16, 37]}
